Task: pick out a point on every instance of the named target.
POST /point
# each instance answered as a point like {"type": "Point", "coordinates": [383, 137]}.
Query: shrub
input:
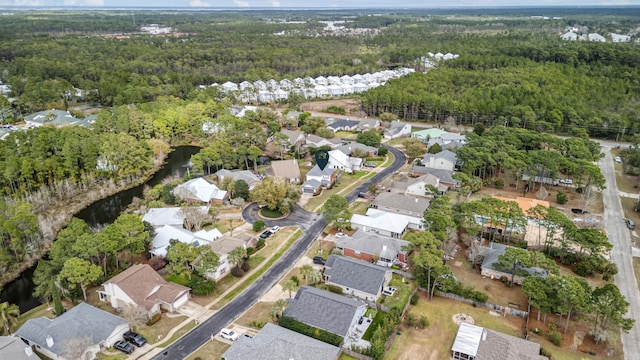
{"type": "Point", "coordinates": [552, 326]}
{"type": "Point", "coordinates": [154, 319]}
{"type": "Point", "coordinates": [499, 183]}
{"type": "Point", "coordinates": [382, 151]}
{"type": "Point", "coordinates": [536, 331]}
{"type": "Point", "coordinates": [202, 286]}
{"type": "Point", "coordinates": [414, 298]}
{"type": "Point", "coordinates": [258, 225]}
{"type": "Point", "coordinates": [412, 320]}
{"type": "Point", "coordinates": [555, 337]}
{"type": "Point", "coordinates": [250, 250]}
{"type": "Point", "coordinates": [257, 324]}
{"type": "Point", "coordinates": [322, 335]}
{"type": "Point", "coordinates": [335, 110]}
{"type": "Point", "coordinates": [260, 244]}
{"type": "Point", "coordinates": [157, 262]}
{"type": "Point", "coordinates": [424, 322]}
{"type": "Point", "coordinates": [237, 272]}
{"type": "Point", "coordinates": [545, 352]}
{"type": "Point", "coordinates": [245, 266]}
{"type": "Point", "coordinates": [561, 197]}
{"type": "Point", "coordinates": [295, 280]}
{"type": "Point", "coordinates": [334, 289]}
{"type": "Point", "coordinates": [584, 268]}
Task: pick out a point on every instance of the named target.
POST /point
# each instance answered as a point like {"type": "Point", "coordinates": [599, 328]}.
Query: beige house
{"type": "Point", "coordinates": [141, 286]}
{"type": "Point", "coordinates": [286, 170]}
{"type": "Point", "coordinates": [418, 186]}
{"type": "Point", "coordinates": [222, 247]}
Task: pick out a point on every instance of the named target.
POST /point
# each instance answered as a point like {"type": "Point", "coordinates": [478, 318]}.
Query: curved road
{"type": "Point", "coordinates": [311, 225]}
{"type": "Point", "coordinates": [618, 235]}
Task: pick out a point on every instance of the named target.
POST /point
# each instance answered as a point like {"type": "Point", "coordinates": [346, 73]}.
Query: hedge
{"type": "Point", "coordinates": [322, 335]}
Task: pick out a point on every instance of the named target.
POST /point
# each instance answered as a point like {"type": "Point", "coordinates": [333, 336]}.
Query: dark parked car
{"type": "Point", "coordinates": [370, 165]}
{"type": "Point", "coordinates": [134, 338]}
{"type": "Point", "coordinates": [630, 224]}
{"type": "Point", "coordinates": [579, 211]}
{"type": "Point", "coordinates": [265, 234]}
{"type": "Point", "coordinates": [318, 260]}
{"type": "Point", "coordinates": [123, 346]}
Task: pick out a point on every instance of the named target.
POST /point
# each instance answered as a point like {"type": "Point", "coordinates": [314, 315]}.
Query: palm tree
{"type": "Point", "coordinates": [279, 307]}
{"type": "Point", "coordinates": [306, 271]}
{"type": "Point", "coordinates": [8, 316]}
{"type": "Point", "coordinates": [289, 286]}
{"type": "Point", "coordinates": [237, 255]}
{"type": "Point", "coordinates": [315, 277]}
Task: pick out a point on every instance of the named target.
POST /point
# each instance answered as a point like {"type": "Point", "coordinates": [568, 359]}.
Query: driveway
{"type": "Point", "coordinates": [621, 254]}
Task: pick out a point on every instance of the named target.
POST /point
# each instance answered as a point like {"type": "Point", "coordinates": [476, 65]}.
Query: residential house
{"type": "Point", "coordinates": [386, 223]}
{"type": "Point", "coordinates": [346, 79]}
{"type": "Point", "coordinates": [260, 85]}
{"type": "Point", "coordinates": [340, 160]}
{"type": "Point", "coordinates": [12, 348]}
{"type": "Point", "coordinates": [333, 80]}
{"type": "Point", "coordinates": [348, 149]}
{"type": "Point", "coordinates": [426, 134]}
{"type": "Point", "coordinates": [321, 91]}
{"type": "Point", "coordinates": [311, 187]}
{"type": "Point", "coordinates": [445, 177]}
{"type": "Point", "coordinates": [245, 175]}
{"type": "Point", "coordinates": [373, 85]}
{"type": "Point", "coordinates": [286, 84]}
{"type": "Point", "coordinates": [295, 139]}
{"type": "Point", "coordinates": [569, 36]}
{"type": "Point", "coordinates": [401, 204]}
{"type": "Point", "coordinates": [397, 129]}
{"type": "Point", "coordinates": [142, 287]}
{"type": "Point", "coordinates": [286, 170]}
{"type": "Point", "coordinates": [418, 187]}
{"type": "Point", "coordinates": [199, 190]}
{"type": "Point", "coordinates": [52, 337]}
{"type": "Point", "coordinates": [357, 79]}
{"type": "Point", "coordinates": [57, 118]}
{"type": "Point", "coordinates": [360, 87]}
{"type": "Point", "coordinates": [356, 278]}
{"type": "Point", "coordinates": [162, 240]}
{"type": "Point", "coordinates": [317, 141]}
{"type": "Point", "coordinates": [229, 87]}
{"type": "Point", "coordinates": [321, 80]}
{"type": "Point", "coordinates": [343, 125]}
{"type": "Point", "coordinates": [174, 216]}
{"type": "Point", "coordinates": [334, 90]}
{"type": "Point", "coordinates": [369, 247]}
{"type": "Point", "coordinates": [272, 85]}
{"type": "Point", "coordinates": [222, 246]}
{"type": "Point", "coordinates": [275, 342]}
{"type": "Point", "coordinates": [325, 310]}
{"type": "Point", "coordinates": [477, 343]}
{"type": "Point", "coordinates": [596, 37]}
{"type": "Point", "coordinates": [241, 111]}
{"type": "Point", "coordinates": [326, 177]}
{"type": "Point", "coordinates": [445, 160]}
{"type": "Point", "coordinates": [443, 138]}
{"type": "Point", "coordinates": [292, 118]}
{"type": "Point", "coordinates": [346, 89]}
{"type": "Point", "coordinates": [616, 38]}
{"type": "Point", "coordinates": [368, 124]}
{"type": "Point", "coordinates": [245, 85]}
{"type": "Point", "coordinates": [489, 269]}
{"type": "Point", "coordinates": [533, 232]}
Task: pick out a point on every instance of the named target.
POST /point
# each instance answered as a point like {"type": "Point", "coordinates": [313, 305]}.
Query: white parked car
{"type": "Point", "coordinates": [340, 235]}
{"type": "Point", "coordinates": [617, 159]}
{"type": "Point", "coordinates": [566, 181]}
{"type": "Point", "coordinates": [275, 229]}
{"type": "Point", "coordinates": [228, 334]}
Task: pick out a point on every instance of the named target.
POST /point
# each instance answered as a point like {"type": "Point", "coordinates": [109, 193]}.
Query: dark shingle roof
{"type": "Point", "coordinates": [82, 320]}
{"type": "Point", "coordinates": [355, 274]}
{"type": "Point", "coordinates": [401, 201]}
{"type": "Point", "coordinates": [343, 123]}
{"type": "Point", "coordinates": [373, 244]}
{"type": "Point", "coordinates": [323, 310]}
{"type": "Point", "coordinates": [277, 343]}
{"type": "Point", "coordinates": [487, 344]}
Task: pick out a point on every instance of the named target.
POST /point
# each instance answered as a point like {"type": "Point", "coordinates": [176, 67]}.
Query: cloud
{"type": "Point", "coordinates": [84, 2]}
{"type": "Point", "coordinates": [28, 3]}
{"type": "Point", "coordinates": [275, 3]}
{"type": "Point", "coordinates": [241, 3]}
{"type": "Point", "coordinates": [199, 3]}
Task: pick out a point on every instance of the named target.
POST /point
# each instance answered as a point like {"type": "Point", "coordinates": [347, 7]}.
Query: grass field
{"type": "Point", "coordinates": [211, 350]}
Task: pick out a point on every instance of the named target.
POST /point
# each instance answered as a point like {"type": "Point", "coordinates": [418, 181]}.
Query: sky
{"type": "Point", "coordinates": [312, 3]}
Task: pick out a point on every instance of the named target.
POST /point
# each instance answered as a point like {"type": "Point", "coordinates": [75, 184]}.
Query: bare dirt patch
{"type": "Point", "coordinates": [350, 105]}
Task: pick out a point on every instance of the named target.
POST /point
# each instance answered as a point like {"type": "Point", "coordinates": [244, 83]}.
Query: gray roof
{"type": "Point", "coordinates": [403, 185]}
{"type": "Point", "coordinates": [277, 343]}
{"type": "Point", "coordinates": [395, 127]}
{"type": "Point", "coordinates": [487, 344]}
{"type": "Point", "coordinates": [445, 176]}
{"type": "Point", "coordinates": [323, 310]}
{"type": "Point", "coordinates": [81, 321]}
{"type": "Point", "coordinates": [373, 244]}
{"type": "Point", "coordinates": [312, 184]}
{"type": "Point", "coordinates": [315, 171]}
{"type": "Point", "coordinates": [348, 148]}
{"type": "Point", "coordinates": [401, 201]}
{"type": "Point", "coordinates": [444, 154]}
{"type": "Point", "coordinates": [244, 175]}
{"type": "Point", "coordinates": [12, 348]}
{"type": "Point", "coordinates": [355, 274]}
{"type": "Point", "coordinates": [494, 250]}
{"type": "Point", "coordinates": [368, 123]}
{"type": "Point", "coordinates": [343, 123]}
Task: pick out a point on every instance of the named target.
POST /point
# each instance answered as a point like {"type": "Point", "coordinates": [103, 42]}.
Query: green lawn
{"type": "Point", "coordinates": [359, 207]}
{"type": "Point", "coordinates": [211, 350]}
{"type": "Point", "coordinates": [178, 334]}
{"type": "Point", "coordinates": [378, 318]}
{"type": "Point", "coordinates": [401, 295]}
{"type": "Point", "coordinates": [346, 183]}
{"type": "Point", "coordinates": [32, 314]}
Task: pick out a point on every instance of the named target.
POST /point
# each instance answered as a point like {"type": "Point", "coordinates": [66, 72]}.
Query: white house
{"type": "Point", "coordinates": [333, 80]}
{"type": "Point", "coordinates": [229, 87]}
{"type": "Point", "coordinates": [569, 36]}
{"type": "Point", "coordinates": [159, 217]}
{"type": "Point", "coordinates": [161, 242]}
{"type": "Point", "coordinates": [246, 85]}
{"type": "Point", "coordinates": [199, 190]}
{"type": "Point", "coordinates": [51, 337]}
{"type": "Point", "coordinates": [596, 37]}
{"type": "Point", "coordinates": [616, 38]}
{"type": "Point", "coordinates": [272, 85]}
{"type": "Point", "coordinates": [356, 79]}
{"type": "Point", "coordinates": [386, 223]}
{"type": "Point", "coordinates": [339, 160]}
{"type": "Point", "coordinates": [360, 87]}
{"type": "Point", "coordinates": [418, 187]}
{"type": "Point", "coordinates": [260, 85]}
{"type": "Point", "coordinates": [445, 160]}
{"type": "Point", "coordinates": [346, 89]}
{"type": "Point", "coordinates": [321, 91]}
{"type": "Point", "coordinates": [334, 90]}
{"type": "Point", "coordinates": [321, 80]}
{"type": "Point", "coordinates": [346, 79]}
{"type": "Point", "coordinates": [397, 129]}
{"type": "Point", "coordinates": [141, 286]}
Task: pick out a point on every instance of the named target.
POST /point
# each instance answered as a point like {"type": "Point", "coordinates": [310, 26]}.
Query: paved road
{"type": "Point", "coordinates": [298, 217]}
{"type": "Point", "coordinates": [621, 254]}
{"type": "Point", "coordinates": [241, 303]}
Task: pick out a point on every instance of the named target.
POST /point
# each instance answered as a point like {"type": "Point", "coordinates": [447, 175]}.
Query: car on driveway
{"type": "Point", "coordinates": [319, 260]}
{"type": "Point", "coordinates": [229, 334]}
{"type": "Point", "coordinates": [123, 346]}
{"type": "Point", "coordinates": [630, 224]}
{"type": "Point", "coordinates": [566, 181]}
{"type": "Point", "coordinates": [617, 159]}
{"type": "Point", "coordinates": [275, 229]}
{"type": "Point", "coordinates": [370, 165]}
{"type": "Point", "coordinates": [265, 234]}
{"type": "Point", "coordinates": [134, 338]}
{"type": "Point", "coordinates": [340, 235]}
{"type": "Point", "coordinates": [579, 211]}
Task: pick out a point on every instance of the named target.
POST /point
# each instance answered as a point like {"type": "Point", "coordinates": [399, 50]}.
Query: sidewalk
{"type": "Point", "coordinates": [207, 314]}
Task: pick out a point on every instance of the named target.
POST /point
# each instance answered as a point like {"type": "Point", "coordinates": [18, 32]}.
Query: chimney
{"type": "Point", "coordinates": [384, 247]}
{"type": "Point", "coordinates": [49, 341]}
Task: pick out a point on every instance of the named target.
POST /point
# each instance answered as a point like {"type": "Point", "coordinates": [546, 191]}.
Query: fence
{"type": "Point", "coordinates": [500, 308]}
{"type": "Point", "coordinates": [403, 273]}
{"type": "Point", "coordinates": [356, 355]}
